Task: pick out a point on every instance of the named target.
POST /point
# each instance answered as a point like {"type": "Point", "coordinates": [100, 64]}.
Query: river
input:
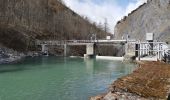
{"type": "Point", "coordinates": [58, 78]}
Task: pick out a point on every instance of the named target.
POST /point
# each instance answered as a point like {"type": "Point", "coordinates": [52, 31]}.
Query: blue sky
{"type": "Point", "coordinates": [122, 3]}
{"type": "Point", "coordinates": [99, 10]}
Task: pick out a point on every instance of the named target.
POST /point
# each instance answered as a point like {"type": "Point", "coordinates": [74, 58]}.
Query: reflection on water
{"type": "Point", "coordinates": [56, 78]}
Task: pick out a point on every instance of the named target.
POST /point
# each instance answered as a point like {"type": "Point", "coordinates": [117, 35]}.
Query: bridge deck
{"type": "Point", "coordinates": [80, 42]}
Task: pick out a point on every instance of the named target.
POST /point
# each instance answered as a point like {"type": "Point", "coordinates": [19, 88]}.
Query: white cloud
{"type": "Point", "coordinates": [98, 12]}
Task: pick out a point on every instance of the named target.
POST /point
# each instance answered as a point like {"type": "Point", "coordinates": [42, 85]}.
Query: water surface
{"type": "Point", "coordinates": [57, 78]}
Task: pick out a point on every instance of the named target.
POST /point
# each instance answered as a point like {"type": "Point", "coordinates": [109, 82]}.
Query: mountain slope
{"type": "Point", "coordinates": [154, 17]}
{"type": "Point", "coordinates": [24, 21]}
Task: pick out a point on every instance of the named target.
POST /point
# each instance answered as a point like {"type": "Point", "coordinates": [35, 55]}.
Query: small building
{"type": "Point", "coordinates": [149, 36]}
{"type": "Point", "coordinates": [108, 37]}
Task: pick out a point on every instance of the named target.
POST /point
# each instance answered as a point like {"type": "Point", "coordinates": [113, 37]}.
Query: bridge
{"type": "Point", "coordinates": [88, 43]}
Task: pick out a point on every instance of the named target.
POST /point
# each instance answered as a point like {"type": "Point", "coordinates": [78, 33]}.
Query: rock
{"type": "Point", "coordinates": [9, 56]}
{"type": "Point", "coordinates": [152, 17]}
{"type": "Point", "coordinates": [33, 54]}
{"type": "Point", "coordinates": [129, 58]}
{"type": "Point", "coordinates": [99, 97]}
{"type": "Point", "coordinates": [111, 96]}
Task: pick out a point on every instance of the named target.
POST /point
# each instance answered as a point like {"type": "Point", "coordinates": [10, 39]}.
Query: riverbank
{"type": "Point", "coordinates": [150, 81]}
{"type": "Point", "coordinates": [11, 56]}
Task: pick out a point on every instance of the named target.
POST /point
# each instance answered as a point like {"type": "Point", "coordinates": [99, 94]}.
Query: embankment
{"type": "Point", "coordinates": [150, 81]}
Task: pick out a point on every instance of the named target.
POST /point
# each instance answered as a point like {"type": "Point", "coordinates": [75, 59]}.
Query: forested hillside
{"type": "Point", "coordinates": [24, 21]}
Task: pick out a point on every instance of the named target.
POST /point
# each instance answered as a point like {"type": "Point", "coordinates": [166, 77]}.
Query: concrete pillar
{"type": "Point", "coordinates": [65, 50]}
{"type": "Point", "coordinates": [44, 48]}
{"type": "Point", "coordinates": [89, 51]}
{"type": "Point", "coordinates": [158, 51]}
{"type": "Point", "coordinates": [139, 50]}
{"type": "Point", "coordinates": [126, 49]}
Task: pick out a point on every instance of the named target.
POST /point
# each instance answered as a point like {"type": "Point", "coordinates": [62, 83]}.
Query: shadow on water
{"type": "Point", "coordinates": [10, 69]}
{"type": "Point", "coordinates": [22, 65]}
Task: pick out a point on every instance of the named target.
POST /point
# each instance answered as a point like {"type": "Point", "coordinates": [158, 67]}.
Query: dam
{"type": "Point", "coordinates": [90, 45]}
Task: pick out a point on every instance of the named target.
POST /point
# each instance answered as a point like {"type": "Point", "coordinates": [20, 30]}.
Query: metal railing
{"type": "Point", "coordinates": [145, 49]}
{"type": "Point", "coordinates": [38, 42]}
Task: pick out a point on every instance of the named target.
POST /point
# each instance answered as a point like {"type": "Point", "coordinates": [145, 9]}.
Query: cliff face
{"type": "Point", "coordinates": [24, 21]}
{"type": "Point", "coordinates": [152, 17]}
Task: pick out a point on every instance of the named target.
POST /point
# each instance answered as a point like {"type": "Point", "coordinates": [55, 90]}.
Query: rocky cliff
{"type": "Point", "coordinates": [151, 17]}
{"type": "Point", "coordinates": [24, 21]}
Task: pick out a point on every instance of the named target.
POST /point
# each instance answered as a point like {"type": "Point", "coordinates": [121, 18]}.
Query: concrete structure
{"type": "Point", "coordinates": [110, 58]}
{"type": "Point", "coordinates": [149, 36]}
{"type": "Point", "coordinates": [108, 37]}
{"type": "Point", "coordinates": [90, 52]}
{"type": "Point", "coordinates": [90, 45]}
{"type": "Point", "coordinates": [65, 50]}
{"type": "Point", "coordinates": [44, 49]}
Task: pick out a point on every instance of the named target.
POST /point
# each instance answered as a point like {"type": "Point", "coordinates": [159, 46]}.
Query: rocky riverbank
{"type": "Point", "coordinates": [11, 56]}
{"type": "Point", "coordinates": [150, 81]}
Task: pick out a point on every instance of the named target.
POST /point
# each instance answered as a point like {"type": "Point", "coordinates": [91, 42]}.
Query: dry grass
{"type": "Point", "coordinates": [150, 80]}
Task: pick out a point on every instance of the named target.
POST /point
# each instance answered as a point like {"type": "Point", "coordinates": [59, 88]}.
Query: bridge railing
{"type": "Point", "coordinates": [80, 41]}
{"type": "Point", "coordinates": [55, 42]}
{"type": "Point", "coordinates": [50, 42]}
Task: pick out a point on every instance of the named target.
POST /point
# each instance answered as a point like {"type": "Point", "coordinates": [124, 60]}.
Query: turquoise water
{"type": "Point", "coordinates": [55, 78]}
